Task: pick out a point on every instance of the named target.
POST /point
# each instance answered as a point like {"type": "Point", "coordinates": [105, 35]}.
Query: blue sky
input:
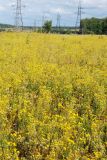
{"type": "Point", "coordinates": [35, 9]}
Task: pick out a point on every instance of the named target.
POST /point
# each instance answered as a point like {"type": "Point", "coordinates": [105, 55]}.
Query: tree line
{"type": "Point", "coordinates": [94, 26]}
{"type": "Point", "coordinates": [87, 26]}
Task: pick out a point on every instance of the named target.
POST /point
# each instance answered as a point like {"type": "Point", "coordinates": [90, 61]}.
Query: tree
{"type": "Point", "coordinates": [94, 25]}
{"type": "Point", "coordinates": [104, 24]}
{"type": "Point", "coordinates": [47, 26]}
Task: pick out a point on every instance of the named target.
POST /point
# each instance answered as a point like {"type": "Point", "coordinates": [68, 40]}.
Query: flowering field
{"type": "Point", "coordinates": [53, 97]}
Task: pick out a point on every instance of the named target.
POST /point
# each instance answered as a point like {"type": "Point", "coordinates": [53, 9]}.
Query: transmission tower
{"type": "Point", "coordinates": [35, 25]}
{"type": "Point", "coordinates": [58, 21]}
{"type": "Point", "coordinates": [79, 17]}
{"type": "Point", "coordinates": [18, 17]}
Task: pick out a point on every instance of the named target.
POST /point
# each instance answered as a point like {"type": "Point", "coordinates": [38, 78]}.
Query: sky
{"type": "Point", "coordinates": [34, 10]}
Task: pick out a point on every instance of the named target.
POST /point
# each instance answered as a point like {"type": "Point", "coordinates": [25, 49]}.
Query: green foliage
{"type": "Point", "coordinates": [94, 25]}
{"type": "Point", "coordinates": [47, 26]}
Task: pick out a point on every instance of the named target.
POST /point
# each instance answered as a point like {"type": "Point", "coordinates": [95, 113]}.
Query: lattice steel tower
{"type": "Point", "coordinates": [79, 17]}
{"type": "Point", "coordinates": [18, 17]}
{"type": "Point", "coordinates": [58, 20]}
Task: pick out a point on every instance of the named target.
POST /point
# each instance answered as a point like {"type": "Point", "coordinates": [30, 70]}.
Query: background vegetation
{"type": "Point", "coordinates": [87, 26]}
{"type": "Point", "coordinates": [47, 27]}
{"type": "Point", "coordinates": [53, 97]}
{"type": "Point", "coordinates": [94, 26]}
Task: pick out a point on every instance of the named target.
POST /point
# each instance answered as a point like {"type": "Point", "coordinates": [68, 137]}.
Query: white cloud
{"type": "Point", "coordinates": [67, 9]}
{"type": "Point", "coordinates": [2, 8]}
{"type": "Point", "coordinates": [95, 3]}
{"type": "Point", "coordinates": [59, 10]}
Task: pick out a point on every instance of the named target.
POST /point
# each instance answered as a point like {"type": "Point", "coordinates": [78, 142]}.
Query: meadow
{"type": "Point", "coordinates": [53, 97]}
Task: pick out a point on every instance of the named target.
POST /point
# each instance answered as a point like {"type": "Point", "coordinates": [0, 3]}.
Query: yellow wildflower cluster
{"type": "Point", "coordinates": [53, 97]}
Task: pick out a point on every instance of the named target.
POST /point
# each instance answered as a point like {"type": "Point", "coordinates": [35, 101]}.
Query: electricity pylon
{"type": "Point", "coordinates": [35, 25]}
{"type": "Point", "coordinates": [58, 20]}
{"type": "Point", "coordinates": [79, 17]}
{"type": "Point", "coordinates": [18, 17]}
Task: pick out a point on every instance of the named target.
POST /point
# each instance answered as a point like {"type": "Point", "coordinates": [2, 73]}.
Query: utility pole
{"type": "Point", "coordinates": [79, 17]}
{"type": "Point", "coordinates": [18, 17]}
